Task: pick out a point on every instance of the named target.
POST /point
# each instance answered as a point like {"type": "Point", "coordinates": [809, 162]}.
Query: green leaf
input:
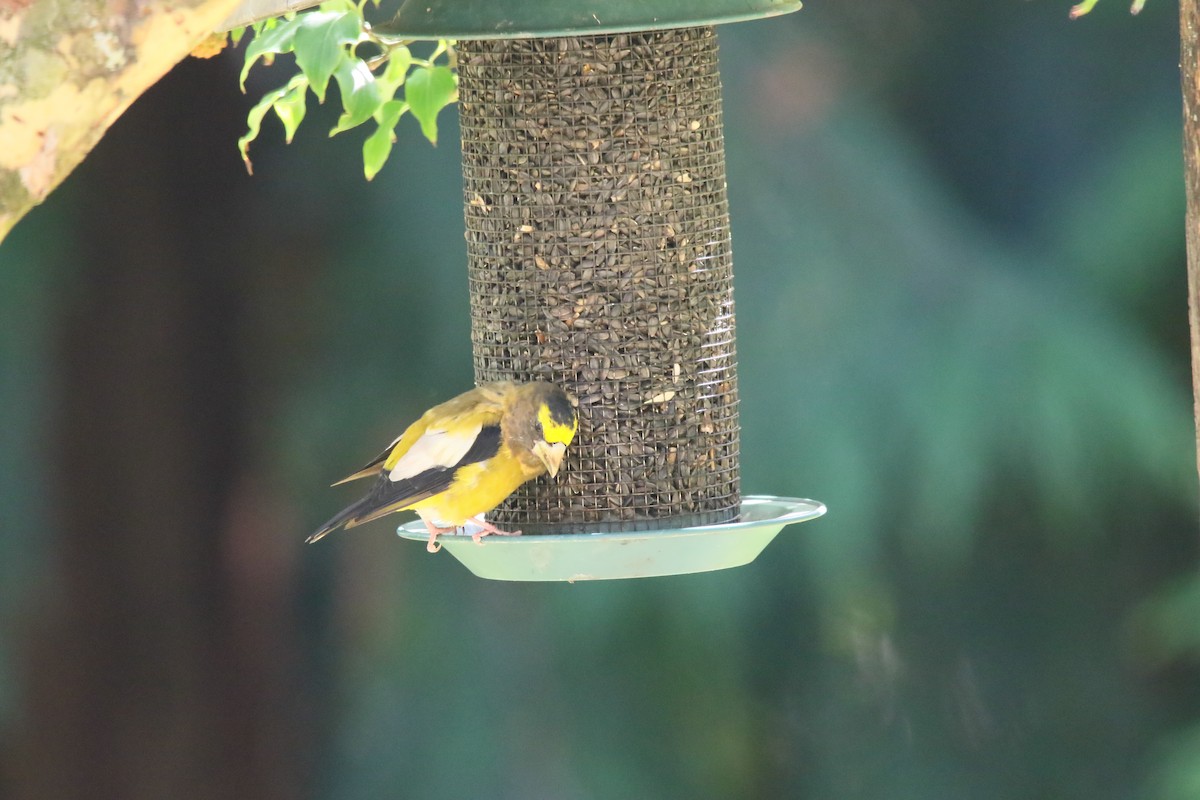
{"type": "Point", "coordinates": [235, 35]}
{"type": "Point", "coordinates": [399, 60]}
{"type": "Point", "coordinates": [360, 94]}
{"type": "Point", "coordinates": [378, 145]}
{"type": "Point", "coordinates": [269, 42]}
{"type": "Point", "coordinates": [320, 45]}
{"type": "Point", "coordinates": [428, 91]}
{"type": "Point", "coordinates": [254, 123]}
{"type": "Point", "coordinates": [291, 107]}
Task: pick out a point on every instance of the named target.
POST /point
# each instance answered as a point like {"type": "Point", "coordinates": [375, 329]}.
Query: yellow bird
{"type": "Point", "coordinates": [462, 458]}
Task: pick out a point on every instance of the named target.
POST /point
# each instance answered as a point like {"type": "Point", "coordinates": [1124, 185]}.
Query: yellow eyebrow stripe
{"type": "Point", "coordinates": [556, 432]}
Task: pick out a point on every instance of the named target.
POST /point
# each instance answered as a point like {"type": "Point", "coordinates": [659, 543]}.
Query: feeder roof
{"type": "Point", "coordinates": [520, 19]}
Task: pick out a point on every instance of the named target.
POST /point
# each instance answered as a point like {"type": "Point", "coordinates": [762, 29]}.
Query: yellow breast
{"type": "Point", "coordinates": [477, 489]}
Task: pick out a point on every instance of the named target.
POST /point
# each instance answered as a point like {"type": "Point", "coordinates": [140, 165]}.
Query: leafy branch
{"type": "Point", "coordinates": [378, 77]}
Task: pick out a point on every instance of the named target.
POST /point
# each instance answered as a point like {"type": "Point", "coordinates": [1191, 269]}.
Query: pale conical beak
{"type": "Point", "coordinates": [551, 455]}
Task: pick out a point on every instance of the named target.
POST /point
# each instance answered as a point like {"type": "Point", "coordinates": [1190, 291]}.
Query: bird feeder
{"type": "Point", "coordinates": [599, 258]}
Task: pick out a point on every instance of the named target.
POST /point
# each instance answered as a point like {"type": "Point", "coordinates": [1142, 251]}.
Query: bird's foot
{"type": "Point", "coordinates": [434, 531]}
{"type": "Point", "coordinates": [488, 530]}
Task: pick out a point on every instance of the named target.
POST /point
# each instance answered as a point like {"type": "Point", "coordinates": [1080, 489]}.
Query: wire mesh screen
{"type": "Point", "coordinates": [599, 258]}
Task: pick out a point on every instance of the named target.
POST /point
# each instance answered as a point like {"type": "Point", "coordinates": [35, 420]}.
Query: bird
{"type": "Point", "coordinates": [462, 458]}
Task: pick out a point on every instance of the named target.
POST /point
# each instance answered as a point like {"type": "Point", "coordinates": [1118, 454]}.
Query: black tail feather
{"type": "Point", "coordinates": [338, 520]}
{"type": "Point", "coordinates": [384, 498]}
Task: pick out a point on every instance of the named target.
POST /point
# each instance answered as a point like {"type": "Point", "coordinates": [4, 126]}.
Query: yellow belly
{"type": "Point", "coordinates": [477, 489]}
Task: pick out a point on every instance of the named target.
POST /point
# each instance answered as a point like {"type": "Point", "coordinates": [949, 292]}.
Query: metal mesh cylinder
{"type": "Point", "coordinates": [599, 258]}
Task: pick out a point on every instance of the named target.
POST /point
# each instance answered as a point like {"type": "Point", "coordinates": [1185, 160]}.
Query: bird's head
{"type": "Point", "coordinates": [549, 423]}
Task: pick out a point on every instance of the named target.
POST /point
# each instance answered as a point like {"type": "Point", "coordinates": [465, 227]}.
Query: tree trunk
{"type": "Point", "coordinates": [1189, 65]}
{"type": "Point", "coordinates": [165, 664]}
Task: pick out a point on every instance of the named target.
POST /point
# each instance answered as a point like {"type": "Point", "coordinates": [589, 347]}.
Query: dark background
{"type": "Point", "coordinates": [958, 237]}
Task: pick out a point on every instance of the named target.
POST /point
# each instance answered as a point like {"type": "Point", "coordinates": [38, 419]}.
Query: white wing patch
{"type": "Point", "coordinates": [435, 449]}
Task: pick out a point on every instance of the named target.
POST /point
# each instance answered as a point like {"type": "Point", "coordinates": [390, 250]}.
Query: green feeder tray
{"type": "Point", "coordinates": [640, 554]}
{"type": "Point", "coordinates": [519, 19]}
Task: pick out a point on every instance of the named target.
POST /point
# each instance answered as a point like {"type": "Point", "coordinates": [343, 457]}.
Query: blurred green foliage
{"type": "Point", "coordinates": [959, 257]}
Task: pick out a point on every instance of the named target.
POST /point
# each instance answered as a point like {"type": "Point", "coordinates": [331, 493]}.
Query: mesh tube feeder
{"type": "Point", "coordinates": [599, 258]}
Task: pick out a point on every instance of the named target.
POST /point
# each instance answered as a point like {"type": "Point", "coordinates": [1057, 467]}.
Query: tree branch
{"type": "Point", "coordinates": [68, 70]}
{"type": "Point", "coordinates": [1189, 67]}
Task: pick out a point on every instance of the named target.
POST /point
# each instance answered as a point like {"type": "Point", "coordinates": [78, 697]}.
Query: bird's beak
{"type": "Point", "coordinates": [551, 455]}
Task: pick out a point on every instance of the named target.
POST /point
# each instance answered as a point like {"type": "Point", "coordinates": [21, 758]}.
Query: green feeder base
{"type": "Point", "coordinates": [641, 554]}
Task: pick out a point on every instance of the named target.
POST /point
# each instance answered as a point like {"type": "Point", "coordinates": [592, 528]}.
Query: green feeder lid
{"type": "Point", "coordinates": [642, 554]}
{"type": "Point", "coordinates": [520, 19]}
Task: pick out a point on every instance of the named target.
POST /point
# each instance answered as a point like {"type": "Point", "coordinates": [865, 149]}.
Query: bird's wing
{"type": "Point", "coordinates": [372, 467]}
{"type": "Point", "coordinates": [425, 459]}
{"type": "Point", "coordinates": [462, 416]}
{"type": "Point", "coordinates": [394, 492]}
{"type": "Point", "coordinates": [444, 434]}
